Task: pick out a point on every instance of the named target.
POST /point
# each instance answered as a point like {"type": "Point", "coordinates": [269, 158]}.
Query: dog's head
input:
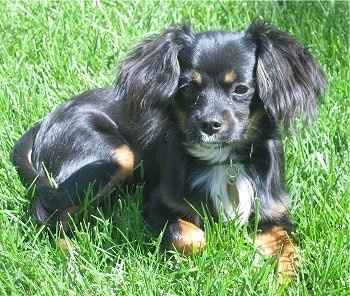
{"type": "Point", "coordinates": [216, 89]}
{"type": "Point", "coordinates": [220, 88]}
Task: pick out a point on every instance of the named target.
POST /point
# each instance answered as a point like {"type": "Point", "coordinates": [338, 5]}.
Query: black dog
{"type": "Point", "coordinates": [203, 113]}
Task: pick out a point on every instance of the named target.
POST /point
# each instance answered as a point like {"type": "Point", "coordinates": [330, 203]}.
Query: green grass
{"type": "Point", "coordinates": [51, 51]}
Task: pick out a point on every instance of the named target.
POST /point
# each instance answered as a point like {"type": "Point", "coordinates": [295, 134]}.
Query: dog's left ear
{"type": "Point", "coordinates": [149, 75]}
{"type": "Point", "coordinates": [288, 77]}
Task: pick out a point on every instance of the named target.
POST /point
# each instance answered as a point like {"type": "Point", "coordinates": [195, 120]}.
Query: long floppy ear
{"type": "Point", "coordinates": [288, 77]}
{"type": "Point", "coordinates": [149, 75]}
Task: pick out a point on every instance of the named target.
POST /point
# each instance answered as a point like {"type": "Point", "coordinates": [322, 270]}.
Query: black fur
{"type": "Point", "coordinates": [201, 111]}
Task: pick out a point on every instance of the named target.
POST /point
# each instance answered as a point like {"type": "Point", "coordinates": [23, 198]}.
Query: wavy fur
{"type": "Point", "coordinates": [202, 112]}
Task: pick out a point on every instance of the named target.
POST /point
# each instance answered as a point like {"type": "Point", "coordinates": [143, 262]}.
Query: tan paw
{"type": "Point", "coordinates": [189, 238]}
{"type": "Point", "coordinates": [276, 242]}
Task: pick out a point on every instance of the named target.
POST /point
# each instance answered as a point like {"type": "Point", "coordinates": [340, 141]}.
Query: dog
{"type": "Point", "coordinates": [204, 113]}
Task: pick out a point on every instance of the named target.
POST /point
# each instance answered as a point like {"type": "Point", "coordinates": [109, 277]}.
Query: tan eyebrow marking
{"type": "Point", "coordinates": [197, 78]}
{"type": "Point", "coordinates": [230, 77]}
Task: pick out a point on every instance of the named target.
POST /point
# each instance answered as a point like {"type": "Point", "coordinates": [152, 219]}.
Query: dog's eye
{"type": "Point", "coordinates": [241, 89]}
{"type": "Point", "coordinates": [185, 88]}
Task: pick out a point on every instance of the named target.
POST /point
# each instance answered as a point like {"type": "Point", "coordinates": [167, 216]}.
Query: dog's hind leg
{"type": "Point", "coordinates": [55, 205]}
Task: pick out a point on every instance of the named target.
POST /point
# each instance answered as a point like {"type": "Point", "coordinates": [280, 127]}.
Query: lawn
{"type": "Point", "coordinates": [52, 50]}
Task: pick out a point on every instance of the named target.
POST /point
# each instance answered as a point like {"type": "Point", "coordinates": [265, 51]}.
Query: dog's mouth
{"type": "Point", "coordinates": [227, 136]}
{"type": "Point", "coordinates": [216, 141]}
{"type": "Point", "coordinates": [212, 153]}
{"type": "Point", "coordinates": [210, 145]}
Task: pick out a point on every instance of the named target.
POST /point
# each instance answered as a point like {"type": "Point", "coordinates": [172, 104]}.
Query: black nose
{"type": "Point", "coordinates": [210, 125]}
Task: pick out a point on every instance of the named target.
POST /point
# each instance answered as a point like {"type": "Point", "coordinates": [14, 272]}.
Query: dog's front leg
{"type": "Point", "coordinates": [184, 237]}
{"type": "Point", "coordinates": [276, 240]}
{"type": "Point", "coordinates": [163, 214]}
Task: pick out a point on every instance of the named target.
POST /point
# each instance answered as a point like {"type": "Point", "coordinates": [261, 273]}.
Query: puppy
{"type": "Point", "coordinates": [203, 112]}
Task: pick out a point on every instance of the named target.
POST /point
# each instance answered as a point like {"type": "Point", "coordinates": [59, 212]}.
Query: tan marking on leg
{"type": "Point", "coordinates": [66, 246]}
{"type": "Point", "coordinates": [230, 77]}
{"type": "Point", "coordinates": [190, 240]}
{"type": "Point", "coordinates": [62, 243]}
{"type": "Point", "coordinates": [276, 242]}
{"type": "Point", "coordinates": [197, 78]}
{"type": "Point", "coordinates": [64, 218]}
{"type": "Point", "coordinates": [125, 158]}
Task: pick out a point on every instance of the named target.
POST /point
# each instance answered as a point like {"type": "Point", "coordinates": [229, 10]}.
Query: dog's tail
{"type": "Point", "coordinates": [40, 189]}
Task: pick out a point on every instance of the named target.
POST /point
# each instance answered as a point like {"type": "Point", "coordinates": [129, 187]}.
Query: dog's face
{"type": "Point", "coordinates": [223, 87]}
{"type": "Point", "coordinates": [215, 91]}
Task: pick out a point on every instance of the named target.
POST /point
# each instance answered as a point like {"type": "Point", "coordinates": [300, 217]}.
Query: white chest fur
{"type": "Point", "coordinates": [227, 185]}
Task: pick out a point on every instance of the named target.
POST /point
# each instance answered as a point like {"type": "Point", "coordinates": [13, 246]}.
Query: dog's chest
{"type": "Point", "coordinates": [230, 190]}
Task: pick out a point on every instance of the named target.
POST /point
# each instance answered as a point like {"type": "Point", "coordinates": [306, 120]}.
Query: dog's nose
{"type": "Point", "coordinates": [210, 125]}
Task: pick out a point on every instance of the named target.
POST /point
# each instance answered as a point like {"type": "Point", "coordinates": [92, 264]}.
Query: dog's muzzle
{"type": "Point", "coordinates": [215, 129]}
{"type": "Point", "coordinates": [211, 124]}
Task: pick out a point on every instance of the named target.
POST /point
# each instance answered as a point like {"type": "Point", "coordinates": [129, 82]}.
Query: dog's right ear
{"type": "Point", "coordinates": [288, 77]}
{"type": "Point", "coordinates": [150, 74]}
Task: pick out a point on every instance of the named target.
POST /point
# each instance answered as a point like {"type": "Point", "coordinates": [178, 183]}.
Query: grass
{"type": "Point", "coordinates": [50, 51]}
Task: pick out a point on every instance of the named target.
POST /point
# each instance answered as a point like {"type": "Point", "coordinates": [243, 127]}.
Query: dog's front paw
{"type": "Point", "coordinates": [276, 242]}
{"type": "Point", "coordinates": [184, 237]}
